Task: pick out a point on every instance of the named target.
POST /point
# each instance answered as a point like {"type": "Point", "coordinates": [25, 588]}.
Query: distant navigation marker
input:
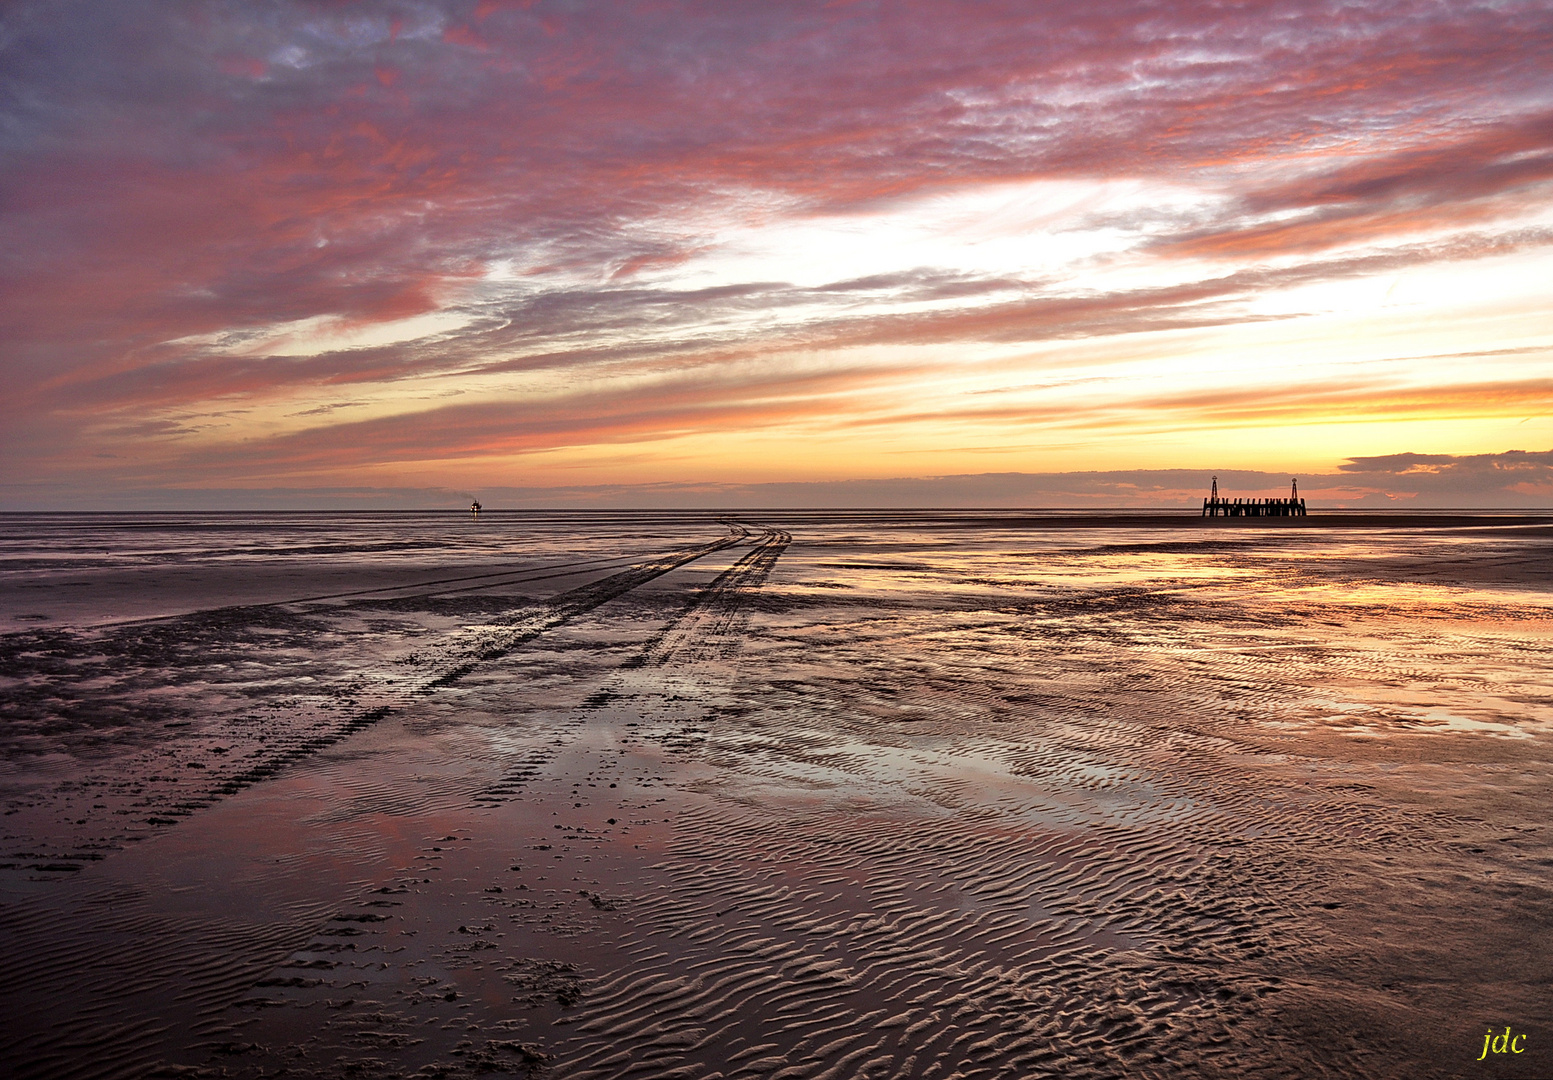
{"type": "Point", "coordinates": [1293, 506]}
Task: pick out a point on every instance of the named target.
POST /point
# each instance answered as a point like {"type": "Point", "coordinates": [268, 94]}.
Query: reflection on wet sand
{"type": "Point", "coordinates": [819, 796]}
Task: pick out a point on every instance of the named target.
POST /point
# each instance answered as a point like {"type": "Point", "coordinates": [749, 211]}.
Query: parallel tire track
{"type": "Point", "coordinates": [160, 793]}
{"type": "Point", "coordinates": [708, 628]}
{"type": "Point", "coordinates": [492, 642]}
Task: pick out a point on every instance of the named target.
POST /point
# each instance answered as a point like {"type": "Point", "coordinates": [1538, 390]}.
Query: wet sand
{"type": "Point", "coordinates": [796, 795]}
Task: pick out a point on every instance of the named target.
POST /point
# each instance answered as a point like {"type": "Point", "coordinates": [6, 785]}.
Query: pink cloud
{"type": "Point", "coordinates": [163, 182]}
{"type": "Point", "coordinates": [247, 66]}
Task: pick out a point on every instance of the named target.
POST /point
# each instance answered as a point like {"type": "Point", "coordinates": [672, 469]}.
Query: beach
{"type": "Point", "coordinates": [795, 795]}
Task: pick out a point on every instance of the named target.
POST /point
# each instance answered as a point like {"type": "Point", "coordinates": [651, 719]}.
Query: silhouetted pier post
{"type": "Point", "coordinates": [1293, 506]}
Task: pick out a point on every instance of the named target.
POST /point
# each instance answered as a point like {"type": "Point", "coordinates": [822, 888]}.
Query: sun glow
{"type": "Point", "coordinates": [363, 248]}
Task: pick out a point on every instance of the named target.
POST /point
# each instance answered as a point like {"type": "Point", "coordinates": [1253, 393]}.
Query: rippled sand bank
{"type": "Point", "coordinates": [813, 796]}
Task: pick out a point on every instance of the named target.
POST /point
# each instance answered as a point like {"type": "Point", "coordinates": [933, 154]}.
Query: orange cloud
{"type": "Point", "coordinates": [175, 187]}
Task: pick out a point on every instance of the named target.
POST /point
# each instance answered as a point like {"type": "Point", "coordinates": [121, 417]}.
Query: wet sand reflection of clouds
{"type": "Point", "coordinates": [623, 793]}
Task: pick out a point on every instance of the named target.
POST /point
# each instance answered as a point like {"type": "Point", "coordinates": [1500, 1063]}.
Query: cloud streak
{"type": "Point", "coordinates": [333, 237]}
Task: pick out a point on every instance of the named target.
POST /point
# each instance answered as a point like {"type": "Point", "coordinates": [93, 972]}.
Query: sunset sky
{"type": "Point", "coordinates": [481, 247]}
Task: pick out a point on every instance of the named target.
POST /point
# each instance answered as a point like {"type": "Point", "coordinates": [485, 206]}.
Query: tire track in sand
{"type": "Point", "coordinates": [188, 768]}
{"type": "Point", "coordinates": [670, 668]}
{"type": "Point", "coordinates": [119, 980]}
{"type": "Point", "coordinates": [703, 634]}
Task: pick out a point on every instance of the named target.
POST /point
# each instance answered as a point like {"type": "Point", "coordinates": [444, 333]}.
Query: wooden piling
{"type": "Point", "coordinates": [1216, 506]}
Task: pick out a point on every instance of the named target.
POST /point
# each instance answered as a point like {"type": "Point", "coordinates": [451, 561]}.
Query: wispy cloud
{"type": "Point", "coordinates": [603, 224]}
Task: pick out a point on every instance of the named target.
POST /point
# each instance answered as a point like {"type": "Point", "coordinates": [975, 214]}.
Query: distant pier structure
{"type": "Point", "coordinates": [1293, 506]}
